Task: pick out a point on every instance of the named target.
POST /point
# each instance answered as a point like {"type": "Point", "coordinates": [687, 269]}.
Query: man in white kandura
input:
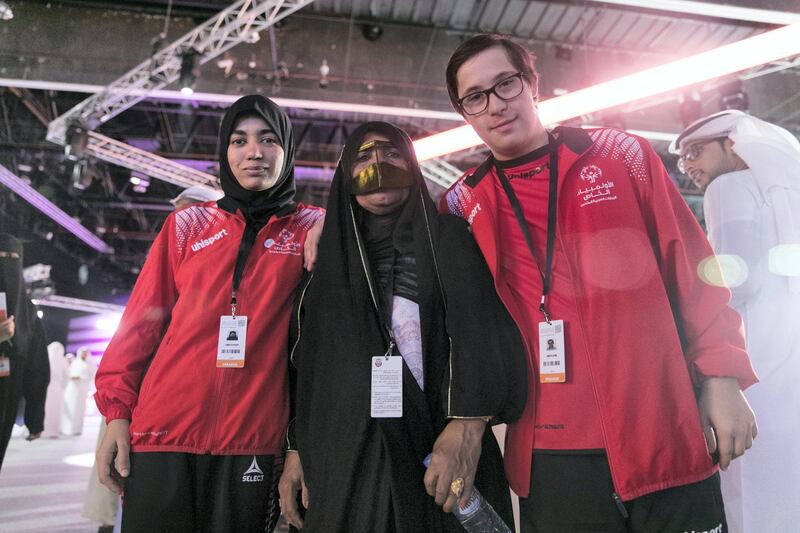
{"type": "Point", "coordinates": [750, 172]}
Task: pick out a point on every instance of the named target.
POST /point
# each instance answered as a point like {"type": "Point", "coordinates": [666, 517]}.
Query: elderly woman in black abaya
{"type": "Point", "coordinates": [24, 365]}
{"type": "Point", "coordinates": [403, 350]}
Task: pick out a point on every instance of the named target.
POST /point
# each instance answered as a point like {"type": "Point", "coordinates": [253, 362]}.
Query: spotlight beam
{"type": "Point", "coordinates": [715, 10]}
{"type": "Point", "coordinates": [741, 55]}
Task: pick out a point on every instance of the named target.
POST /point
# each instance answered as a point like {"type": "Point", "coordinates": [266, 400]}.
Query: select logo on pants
{"type": "Point", "coordinates": [253, 474]}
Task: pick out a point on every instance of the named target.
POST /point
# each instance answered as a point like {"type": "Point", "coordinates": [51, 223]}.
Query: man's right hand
{"type": "Point", "coordinates": [113, 455]}
{"type": "Point", "coordinates": [292, 481]}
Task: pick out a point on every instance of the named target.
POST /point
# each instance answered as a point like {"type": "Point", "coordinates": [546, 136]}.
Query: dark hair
{"type": "Point", "coordinates": [519, 56]}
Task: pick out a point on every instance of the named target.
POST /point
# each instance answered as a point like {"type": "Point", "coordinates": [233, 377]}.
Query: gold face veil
{"type": "Point", "coordinates": [378, 175]}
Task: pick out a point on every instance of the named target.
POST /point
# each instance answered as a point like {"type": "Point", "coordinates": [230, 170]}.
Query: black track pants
{"type": "Point", "coordinates": [181, 492]}
{"type": "Point", "coordinates": [574, 494]}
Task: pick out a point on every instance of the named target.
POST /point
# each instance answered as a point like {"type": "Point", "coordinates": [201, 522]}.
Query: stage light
{"type": "Point", "coordinates": [324, 70]}
{"type": "Point", "coordinates": [5, 11]}
{"type": "Point", "coordinates": [732, 96]}
{"type": "Point", "coordinates": [189, 72]}
{"type": "Point", "coordinates": [77, 141]}
{"type": "Point", "coordinates": [140, 182]}
{"type": "Point", "coordinates": [371, 32]}
{"type": "Point", "coordinates": [81, 175]}
{"type": "Point", "coordinates": [727, 59]}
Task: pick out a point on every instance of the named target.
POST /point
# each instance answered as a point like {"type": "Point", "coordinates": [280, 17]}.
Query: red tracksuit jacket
{"type": "Point", "coordinates": [159, 371]}
{"type": "Point", "coordinates": [653, 328]}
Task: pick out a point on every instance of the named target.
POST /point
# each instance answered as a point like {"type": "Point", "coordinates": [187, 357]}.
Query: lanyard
{"type": "Point", "coordinates": [245, 246]}
{"type": "Point", "coordinates": [552, 198]}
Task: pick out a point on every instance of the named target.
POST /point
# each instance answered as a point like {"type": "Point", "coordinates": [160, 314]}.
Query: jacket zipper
{"type": "Point", "coordinates": [611, 468]}
{"type": "Point", "coordinates": [299, 307]}
{"type": "Point", "coordinates": [217, 394]}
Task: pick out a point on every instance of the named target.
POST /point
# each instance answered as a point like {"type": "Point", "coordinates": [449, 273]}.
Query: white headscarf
{"type": "Point", "coordinates": [198, 193]}
{"type": "Point", "coordinates": [772, 155]}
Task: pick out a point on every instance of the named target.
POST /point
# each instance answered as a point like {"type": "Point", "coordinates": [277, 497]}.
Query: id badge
{"type": "Point", "coordinates": [387, 387]}
{"type": "Point", "coordinates": [5, 367]}
{"type": "Point", "coordinates": [232, 340]}
{"type": "Point", "coordinates": [552, 357]}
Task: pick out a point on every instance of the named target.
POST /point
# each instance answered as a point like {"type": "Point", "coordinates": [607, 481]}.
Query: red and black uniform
{"type": "Point", "coordinates": [159, 371]}
{"type": "Point", "coordinates": [642, 329]}
{"type": "Point", "coordinates": [204, 439]}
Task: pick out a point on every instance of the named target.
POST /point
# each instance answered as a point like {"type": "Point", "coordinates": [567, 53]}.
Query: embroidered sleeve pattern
{"type": "Point", "coordinates": [191, 221]}
{"type": "Point", "coordinates": [307, 216]}
{"type": "Point", "coordinates": [459, 199]}
{"type": "Point", "coordinates": [618, 145]}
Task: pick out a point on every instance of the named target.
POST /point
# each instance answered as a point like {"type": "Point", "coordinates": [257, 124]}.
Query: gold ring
{"type": "Point", "coordinates": [457, 487]}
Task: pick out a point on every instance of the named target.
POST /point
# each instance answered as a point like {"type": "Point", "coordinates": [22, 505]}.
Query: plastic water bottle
{"type": "Point", "coordinates": [478, 516]}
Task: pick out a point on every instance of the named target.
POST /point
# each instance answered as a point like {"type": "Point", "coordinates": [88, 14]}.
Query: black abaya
{"type": "Point", "coordinates": [364, 474]}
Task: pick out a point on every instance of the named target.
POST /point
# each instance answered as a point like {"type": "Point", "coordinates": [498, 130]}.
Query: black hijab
{"type": "Point", "coordinates": [257, 206]}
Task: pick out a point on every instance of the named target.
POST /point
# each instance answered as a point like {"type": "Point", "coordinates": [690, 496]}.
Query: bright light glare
{"type": "Point", "coordinates": [784, 260]}
{"type": "Point", "coordinates": [723, 271]}
{"type": "Point", "coordinates": [108, 323]}
{"type": "Point", "coordinates": [727, 59]}
{"type": "Point", "coordinates": [187, 91]}
{"type": "Point", "coordinates": [40, 313]}
{"type": "Point", "coordinates": [82, 459]}
{"type": "Point", "coordinates": [708, 9]}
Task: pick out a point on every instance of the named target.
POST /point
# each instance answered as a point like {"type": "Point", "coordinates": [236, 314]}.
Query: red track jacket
{"type": "Point", "coordinates": [181, 402]}
{"type": "Point", "coordinates": [653, 328]}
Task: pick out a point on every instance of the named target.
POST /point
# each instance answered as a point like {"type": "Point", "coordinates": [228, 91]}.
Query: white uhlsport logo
{"type": "Point", "coordinates": [473, 213]}
{"type": "Point", "coordinates": [253, 474]}
{"type": "Point", "coordinates": [202, 243]}
{"type": "Point", "coordinates": [591, 173]}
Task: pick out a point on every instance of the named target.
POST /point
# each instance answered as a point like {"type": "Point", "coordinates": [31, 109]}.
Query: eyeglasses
{"type": "Point", "coordinates": [693, 151]}
{"type": "Point", "coordinates": [505, 89]}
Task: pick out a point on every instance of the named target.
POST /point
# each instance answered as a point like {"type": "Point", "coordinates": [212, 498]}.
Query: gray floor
{"type": "Point", "coordinates": [39, 490]}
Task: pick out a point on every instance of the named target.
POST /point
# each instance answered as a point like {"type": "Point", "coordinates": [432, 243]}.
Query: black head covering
{"type": "Point", "coordinates": [12, 283]}
{"type": "Point", "coordinates": [257, 206]}
{"type": "Point", "coordinates": [389, 239]}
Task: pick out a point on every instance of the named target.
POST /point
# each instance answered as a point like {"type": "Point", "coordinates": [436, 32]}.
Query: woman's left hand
{"type": "Point", "coordinates": [455, 456]}
{"type": "Point", "coordinates": [312, 243]}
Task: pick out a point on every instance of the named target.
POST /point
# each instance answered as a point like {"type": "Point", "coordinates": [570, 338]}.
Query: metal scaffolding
{"type": "Point", "coordinates": [230, 27]}
{"type": "Point", "coordinates": [440, 172]}
{"type": "Point", "coordinates": [125, 155]}
{"type": "Point", "coordinates": [77, 304]}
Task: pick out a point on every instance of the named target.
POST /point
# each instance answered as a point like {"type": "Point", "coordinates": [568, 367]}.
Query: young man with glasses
{"type": "Point", "coordinates": [749, 170]}
{"type": "Point", "coordinates": [592, 247]}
